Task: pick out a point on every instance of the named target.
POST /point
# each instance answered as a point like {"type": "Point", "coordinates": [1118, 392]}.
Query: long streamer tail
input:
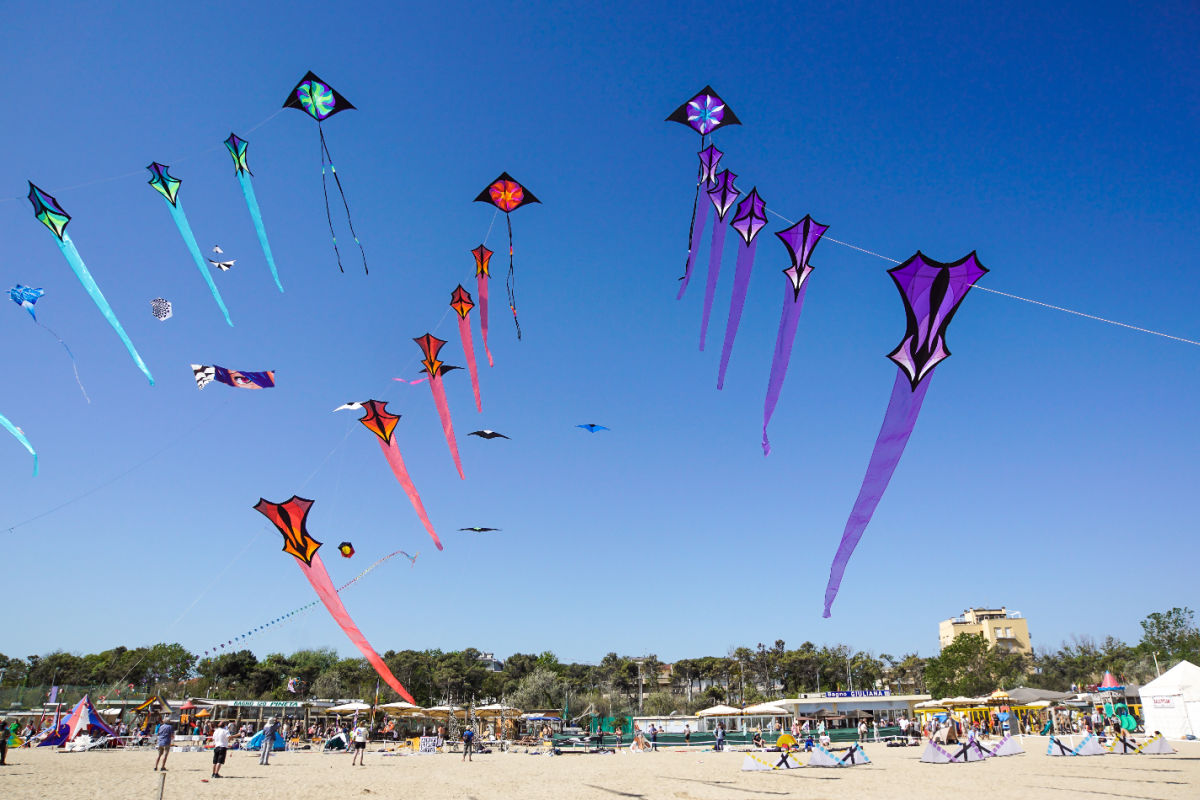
{"type": "Point", "coordinates": [468, 343]}
{"type": "Point", "coordinates": [714, 272]}
{"type": "Point", "coordinates": [74, 365]}
{"type": "Point", "coordinates": [510, 280]}
{"type": "Point", "coordinates": [185, 230]}
{"type": "Point", "coordinates": [20, 437]}
{"type": "Point", "coordinates": [349, 221]}
{"type": "Point", "coordinates": [741, 285]}
{"type": "Point", "coordinates": [260, 229]}
{"type": "Point", "coordinates": [897, 426]}
{"type": "Point", "coordinates": [792, 305]}
{"type": "Point", "coordinates": [392, 453]}
{"type": "Point", "coordinates": [699, 219]}
{"type": "Point", "coordinates": [325, 191]}
{"type": "Point", "coordinates": [81, 271]}
{"type": "Point", "coordinates": [318, 576]}
{"type": "Point", "coordinates": [443, 409]}
{"type": "Point", "coordinates": [482, 285]}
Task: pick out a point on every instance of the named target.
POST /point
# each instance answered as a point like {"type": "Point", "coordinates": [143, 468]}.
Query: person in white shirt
{"type": "Point", "coordinates": [220, 737]}
{"type": "Point", "coordinates": [360, 744]}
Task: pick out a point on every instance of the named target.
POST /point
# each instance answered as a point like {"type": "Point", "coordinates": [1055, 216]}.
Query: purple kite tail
{"type": "Point", "coordinates": [898, 424]}
{"type": "Point", "coordinates": [788, 320]}
{"type": "Point", "coordinates": [697, 235]}
{"type": "Point", "coordinates": [714, 271]}
{"type": "Point", "coordinates": [741, 284]}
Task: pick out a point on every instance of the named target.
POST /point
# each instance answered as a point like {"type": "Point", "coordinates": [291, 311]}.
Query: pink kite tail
{"type": "Point", "coordinates": [319, 578]}
{"type": "Point", "coordinates": [392, 453]}
{"type": "Point", "coordinates": [443, 409]}
{"type": "Point", "coordinates": [483, 287]}
{"type": "Point", "coordinates": [468, 342]}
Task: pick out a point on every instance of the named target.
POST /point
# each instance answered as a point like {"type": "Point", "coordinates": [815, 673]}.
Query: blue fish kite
{"type": "Point", "coordinates": [237, 150]}
{"type": "Point", "coordinates": [168, 186]}
{"type": "Point", "coordinates": [52, 215]}
{"type": "Point", "coordinates": [26, 297]}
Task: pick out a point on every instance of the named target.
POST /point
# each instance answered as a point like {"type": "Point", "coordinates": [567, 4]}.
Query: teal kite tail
{"type": "Point", "coordinates": [256, 215]}
{"type": "Point", "coordinates": [16, 432]}
{"type": "Point", "coordinates": [185, 230]}
{"type": "Point", "coordinates": [81, 271]}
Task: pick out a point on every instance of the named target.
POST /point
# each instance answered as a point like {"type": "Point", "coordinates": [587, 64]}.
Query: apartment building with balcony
{"type": "Point", "coordinates": [1003, 629]}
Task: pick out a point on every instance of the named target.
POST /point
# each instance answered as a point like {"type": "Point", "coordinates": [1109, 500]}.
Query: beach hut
{"type": "Point", "coordinates": [1171, 702]}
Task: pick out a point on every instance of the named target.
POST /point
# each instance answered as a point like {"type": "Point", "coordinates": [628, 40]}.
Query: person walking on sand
{"type": "Point", "coordinates": [268, 741]}
{"type": "Point", "coordinates": [468, 738]}
{"type": "Point", "coordinates": [3, 742]}
{"type": "Point", "coordinates": [165, 735]}
{"type": "Point", "coordinates": [360, 744]}
{"type": "Point", "coordinates": [687, 736]}
{"type": "Point", "coordinates": [220, 739]}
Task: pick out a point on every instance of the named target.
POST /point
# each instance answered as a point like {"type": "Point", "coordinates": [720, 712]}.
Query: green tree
{"type": "Point", "coordinates": [1172, 636]}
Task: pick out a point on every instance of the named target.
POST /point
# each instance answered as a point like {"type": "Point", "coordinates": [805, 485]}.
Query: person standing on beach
{"type": "Point", "coordinates": [653, 737]}
{"type": "Point", "coordinates": [359, 748]}
{"type": "Point", "coordinates": [468, 737]}
{"type": "Point", "coordinates": [220, 738]}
{"type": "Point", "coordinates": [719, 744]}
{"type": "Point", "coordinates": [687, 736]}
{"type": "Point", "coordinates": [165, 735]}
{"type": "Point", "coordinates": [268, 742]}
{"type": "Point", "coordinates": [4, 732]}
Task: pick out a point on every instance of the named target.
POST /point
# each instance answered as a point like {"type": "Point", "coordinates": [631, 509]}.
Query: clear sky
{"type": "Point", "coordinates": [1052, 469]}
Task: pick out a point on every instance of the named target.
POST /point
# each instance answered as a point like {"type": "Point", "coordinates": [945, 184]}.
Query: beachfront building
{"type": "Point", "coordinates": [1005, 630]}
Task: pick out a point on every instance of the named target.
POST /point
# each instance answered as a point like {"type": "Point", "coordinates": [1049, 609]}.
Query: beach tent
{"type": "Point", "coordinates": [1089, 746]}
{"type": "Point", "coordinates": [853, 757]}
{"type": "Point", "coordinates": [1171, 702]}
{"type": "Point", "coordinates": [753, 763]}
{"type": "Point", "coordinates": [1008, 746]}
{"type": "Point", "coordinates": [256, 742]}
{"type": "Point", "coordinates": [83, 718]}
{"type": "Point", "coordinates": [954, 754]}
{"type": "Point", "coordinates": [1156, 746]}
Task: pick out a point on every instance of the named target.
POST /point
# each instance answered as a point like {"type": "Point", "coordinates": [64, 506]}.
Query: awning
{"type": "Point", "coordinates": [347, 708]}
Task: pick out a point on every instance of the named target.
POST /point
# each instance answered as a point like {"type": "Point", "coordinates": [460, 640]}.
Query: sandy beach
{"type": "Point", "coordinates": [895, 774]}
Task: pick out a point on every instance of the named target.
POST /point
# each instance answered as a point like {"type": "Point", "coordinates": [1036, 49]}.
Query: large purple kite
{"type": "Point", "coordinates": [932, 292]}
{"type": "Point", "coordinates": [751, 217]}
{"type": "Point", "coordinates": [704, 113]}
{"type": "Point", "coordinates": [723, 196]}
{"type": "Point", "coordinates": [800, 240]}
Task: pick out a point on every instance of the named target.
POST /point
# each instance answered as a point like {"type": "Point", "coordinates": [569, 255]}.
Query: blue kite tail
{"type": "Point", "coordinates": [185, 230]}
{"type": "Point", "coordinates": [15, 431]}
{"type": "Point", "coordinates": [81, 271]}
{"type": "Point", "coordinates": [256, 215]}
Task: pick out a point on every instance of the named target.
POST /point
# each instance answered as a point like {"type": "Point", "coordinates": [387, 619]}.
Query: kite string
{"type": "Point", "coordinates": [1016, 296]}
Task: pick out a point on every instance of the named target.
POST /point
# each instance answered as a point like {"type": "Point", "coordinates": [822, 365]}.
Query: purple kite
{"type": "Point", "coordinates": [800, 240]}
{"type": "Point", "coordinates": [932, 292]}
{"type": "Point", "coordinates": [751, 217]}
{"type": "Point", "coordinates": [723, 196]}
{"type": "Point", "coordinates": [704, 113]}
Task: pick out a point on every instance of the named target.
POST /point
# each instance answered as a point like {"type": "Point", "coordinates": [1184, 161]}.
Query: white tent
{"type": "Point", "coordinates": [1171, 702]}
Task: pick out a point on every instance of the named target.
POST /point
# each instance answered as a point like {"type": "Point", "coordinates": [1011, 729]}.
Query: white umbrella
{"type": "Point", "coordinates": [346, 708]}
{"type": "Point", "coordinates": [447, 710]}
{"type": "Point", "coordinates": [766, 710]}
{"type": "Point", "coordinates": [497, 709]}
{"type": "Point", "coordinates": [720, 711]}
{"type": "Point", "coordinates": [401, 708]}
{"type": "Point", "coordinates": [111, 711]}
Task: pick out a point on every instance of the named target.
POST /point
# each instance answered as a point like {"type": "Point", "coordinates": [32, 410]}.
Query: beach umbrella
{"type": "Point", "coordinates": [348, 708]}
{"type": "Point", "coordinates": [719, 711]}
{"type": "Point", "coordinates": [446, 711]}
{"type": "Point", "coordinates": [403, 709]}
{"type": "Point", "coordinates": [766, 710]}
{"type": "Point", "coordinates": [497, 710]}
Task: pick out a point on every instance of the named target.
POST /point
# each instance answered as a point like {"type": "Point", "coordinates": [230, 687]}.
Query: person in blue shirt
{"type": "Point", "coordinates": [468, 737]}
{"type": "Point", "coordinates": [164, 736]}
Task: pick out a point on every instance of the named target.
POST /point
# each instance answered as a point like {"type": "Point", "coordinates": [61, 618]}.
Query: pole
{"type": "Point", "coordinates": [1157, 671]}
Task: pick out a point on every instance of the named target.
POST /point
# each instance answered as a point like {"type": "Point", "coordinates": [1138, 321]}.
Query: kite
{"type": "Point", "coordinates": [26, 297]}
{"type": "Point", "coordinates": [460, 301]}
{"type": "Point", "coordinates": [161, 309]}
{"type": "Point", "coordinates": [751, 217]}
{"type": "Point", "coordinates": [800, 240]}
{"type": "Point", "coordinates": [206, 374]}
{"type": "Point", "coordinates": [320, 101]}
{"type": "Point", "coordinates": [237, 151]}
{"type": "Point", "coordinates": [52, 215]}
{"type": "Point", "coordinates": [290, 518]}
{"type": "Point", "coordinates": [224, 266]}
{"type": "Point", "coordinates": [508, 195]}
{"type": "Point", "coordinates": [932, 292]}
{"type": "Point", "coordinates": [483, 258]}
{"type": "Point", "coordinates": [430, 346]}
{"type": "Point", "coordinates": [479, 530]}
{"type": "Point", "coordinates": [592, 427]}
{"type": "Point", "coordinates": [704, 113]}
{"type": "Point", "coordinates": [168, 187]}
{"type": "Point", "coordinates": [723, 196]}
{"type": "Point", "coordinates": [19, 435]}
{"type": "Point", "coordinates": [381, 423]}
{"type": "Point", "coordinates": [346, 549]}
{"type": "Point", "coordinates": [217, 249]}
{"type": "Point", "coordinates": [486, 434]}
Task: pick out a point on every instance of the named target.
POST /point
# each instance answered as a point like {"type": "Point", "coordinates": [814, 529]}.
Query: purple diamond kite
{"type": "Point", "coordinates": [723, 196]}
{"type": "Point", "coordinates": [751, 217]}
{"type": "Point", "coordinates": [932, 292]}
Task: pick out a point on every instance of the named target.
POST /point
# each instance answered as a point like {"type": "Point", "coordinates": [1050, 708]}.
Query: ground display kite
{"type": "Point", "coordinates": [483, 275]}
{"type": "Point", "coordinates": [959, 753]}
{"type": "Point", "coordinates": [785, 760]}
{"type": "Point", "coordinates": [704, 113]}
{"type": "Point", "coordinates": [378, 421]}
{"type": "Point", "coordinates": [1088, 746]}
{"type": "Point", "coordinates": [291, 518]}
{"type": "Point", "coordinates": [320, 101]}
{"type": "Point", "coordinates": [241, 169]}
{"type": "Point", "coordinates": [932, 292]}
{"type": "Point", "coordinates": [800, 240]}
{"type": "Point", "coordinates": [168, 187]}
{"type": "Point", "coordinates": [751, 217]}
{"type": "Point", "coordinates": [207, 373]}
{"type": "Point", "coordinates": [723, 196]}
{"type": "Point", "coordinates": [52, 215]}
{"type": "Point", "coordinates": [508, 195]}
{"type": "Point", "coordinates": [26, 297]}
{"type": "Point", "coordinates": [161, 309]}
{"type": "Point", "coordinates": [19, 435]}
{"type": "Point", "coordinates": [460, 301]}
{"type": "Point", "coordinates": [430, 347]}
{"type": "Point", "coordinates": [853, 756]}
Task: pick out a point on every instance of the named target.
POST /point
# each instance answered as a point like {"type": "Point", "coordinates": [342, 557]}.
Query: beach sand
{"type": "Point", "coordinates": [894, 774]}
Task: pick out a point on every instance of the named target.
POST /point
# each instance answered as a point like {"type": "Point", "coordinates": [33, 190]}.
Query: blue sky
{"type": "Point", "coordinates": [1053, 461]}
